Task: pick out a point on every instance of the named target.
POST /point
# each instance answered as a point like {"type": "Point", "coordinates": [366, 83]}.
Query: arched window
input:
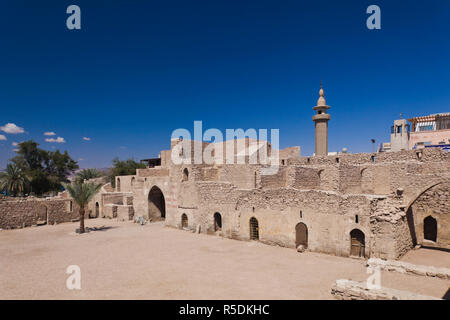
{"type": "Point", "coordinates": [185, 175]}
{"type": "Point", "coordinates": [217, 222]}
{"type": "Point", "coordinates": [254, 229]}
{"type": "Point", "coordinates": [184, 221]}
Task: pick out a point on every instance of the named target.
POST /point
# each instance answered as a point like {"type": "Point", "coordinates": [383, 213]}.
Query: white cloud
{"type": "Point", "coordinates": [57, 140]}
{"type": "Point", "coordinates": [2, 138]}
{"type": "Point", "coordinates": [15, 144]}
{"type": "Point", "coordinates": [80, 159]}
{"type": "Point", "coordinates": [12, 128]}
{"type": "Point", "coordinates": [86, 139]}
{"type": "Point", "coordinates": [49, 133]}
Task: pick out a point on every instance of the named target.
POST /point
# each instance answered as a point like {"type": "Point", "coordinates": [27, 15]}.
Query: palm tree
{"type": "Point", "coordinates": [13, 180]}
{"type": "Point", "coordinates": [82, 193]}
{"type": "Point", "coordinates": [87, 174]}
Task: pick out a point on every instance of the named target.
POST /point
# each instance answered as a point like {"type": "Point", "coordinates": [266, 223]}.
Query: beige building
{"type": "Point", "coordinates": [431, 130]}
{"type": "Point", "coordinates": [363, 205]}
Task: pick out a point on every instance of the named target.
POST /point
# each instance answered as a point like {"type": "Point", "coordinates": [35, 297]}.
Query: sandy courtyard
{"type": "Point", "coordinates": [128, 261]}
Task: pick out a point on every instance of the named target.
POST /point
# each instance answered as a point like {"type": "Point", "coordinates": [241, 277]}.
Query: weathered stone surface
{"type": "Point", "coordinates": [352, 290]}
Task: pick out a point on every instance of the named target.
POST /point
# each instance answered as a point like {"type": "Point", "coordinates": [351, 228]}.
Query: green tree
{"type": "Point", "coordinates": [82, 193]}
{"type": "Point", "coordinates": [124, 168]}
{"type": "Point", "coordinates": [46, 170]}
{"type": "Point", "coordinates": [13, 180]}
{"type": "Point", "coordinates": [87, 174]}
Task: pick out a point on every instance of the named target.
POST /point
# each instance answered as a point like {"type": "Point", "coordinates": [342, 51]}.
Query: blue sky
{"type": "Point", "coordinates": [137, 70]}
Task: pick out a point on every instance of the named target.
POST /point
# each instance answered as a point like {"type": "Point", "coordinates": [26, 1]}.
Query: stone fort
{"type": "Point", "coordinates": [362, 205]}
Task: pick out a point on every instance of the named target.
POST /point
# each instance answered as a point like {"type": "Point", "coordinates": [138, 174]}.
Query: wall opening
{"type": "Point", "coordinates": [185, 175]}
{"type": "Point", "coordinates": [97, 210]}
{"type": "Point", "coordinates": [184, 221]}
{"type": "Point", "coordinates": [357, 243]}
{"type": "Point", "coordinates": [301, 235]}
{"type": "Point", "coordinates": [254, 229]}
{"type": "Point", "coordinates": [301, 214]}
{"type": "Point", "coordinates": [70, 206]}
{"type": "Point", "coordinates": [337, 160]}
{"type": "Point", "coordinates": [356, 218]}
{"type": "Point", "coordinates": [133, 180]}
{"type": "Point", "coordinates": [118, 185]}
{"type": "Point", "coordinates": [430, 228]}
{"type": "Point", "coordinates": [217, 222]}
{"type": "Point", "coordinates": [156, 204]}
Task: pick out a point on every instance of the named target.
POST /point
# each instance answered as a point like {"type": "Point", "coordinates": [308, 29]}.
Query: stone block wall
{"type": "Point", "coordinates": [19, 213]}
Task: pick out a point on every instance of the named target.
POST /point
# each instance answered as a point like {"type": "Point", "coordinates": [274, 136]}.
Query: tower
{"type": "Point", "coordinates": [400, 135]}
{"type": "Point", "coordinates": [321, 124]}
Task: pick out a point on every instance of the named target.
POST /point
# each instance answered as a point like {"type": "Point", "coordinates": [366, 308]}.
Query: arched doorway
{"type": "Point", "coordinates": [185, 175]}
{"type": "Point", "coordinates": [254, 229]}
{"type": "Point", "coordinates": [97, 210]}
{"type": "Point", "coordinates": [301, 235]}
{"type": "Point", "coordinates": [184, 221]}
{"type": "Point", "coordinates": [430, 228]}
{"type": "Point", "coordinates": [217, 222]}
{"type": "Point", "coordinates": [156, 204]}
{"type": "Point", "coordinates": [357, 243]}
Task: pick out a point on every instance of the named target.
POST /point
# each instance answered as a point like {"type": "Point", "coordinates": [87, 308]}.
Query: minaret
{"type": "Point", "coordinates": [321, 123]}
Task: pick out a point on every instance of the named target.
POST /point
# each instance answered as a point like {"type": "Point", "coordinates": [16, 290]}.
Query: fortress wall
{"type": "Point", "coordinates": [19, 213]}
{"type": "Point", "coordinates": [428, 155]}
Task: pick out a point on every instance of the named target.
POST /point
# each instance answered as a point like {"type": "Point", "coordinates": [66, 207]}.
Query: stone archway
{"type": "Point", "coordinates": [156, 204]}
{"type": "Point", "coordinates": [301, 235]}
{"type": "Point", "coordinates": [430, 229]}
{"type": "Point", "coordinates": [357, 243]}
{"type": "Point", "coordinates": [425, 212]}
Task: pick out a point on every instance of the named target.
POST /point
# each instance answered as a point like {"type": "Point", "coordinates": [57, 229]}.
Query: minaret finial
{"type": "Point", "coordinates": [321, 101]}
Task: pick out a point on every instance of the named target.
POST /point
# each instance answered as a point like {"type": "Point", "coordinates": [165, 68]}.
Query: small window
{"type": "Point", "coordinates": [337, 160]}
{"type": "Point", "coordinates": [373, 158]}
{"type": "Point", "coordinates": [282, 162]}
{"type": "Point", "coordinates": [70, 206]}
{"type": "Point", "coordinates": [301, 214]}
{"type": "Point", "coordinates": [356, 219]}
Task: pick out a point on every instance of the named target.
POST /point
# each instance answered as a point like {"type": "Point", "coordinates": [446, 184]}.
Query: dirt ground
{"type": "Point", "coordinates": [129, 261]}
